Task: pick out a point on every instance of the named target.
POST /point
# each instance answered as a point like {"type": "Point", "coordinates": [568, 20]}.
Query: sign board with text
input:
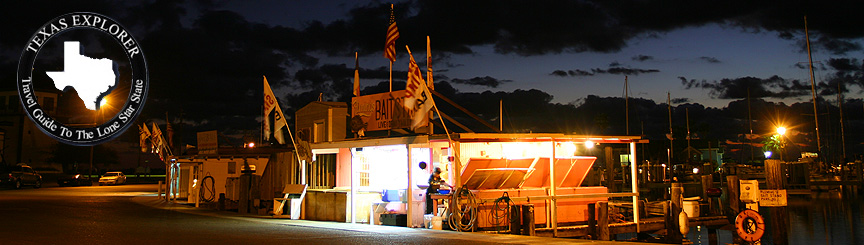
{"type": "Point", "coordinates": [772, 198]}
{"type": "Point", "coordinates": [208, 143]}
{"type": "Point", "coordinates": [382, 111]}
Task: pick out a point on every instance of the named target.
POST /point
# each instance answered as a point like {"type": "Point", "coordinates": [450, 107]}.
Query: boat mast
{"type": "Point", "coordinates": [842, 127]}
{"type": "Point", "coordinates": [750, 122]}
{"type": "Point", "coordinates": [813, 90]}
{"type": "Point", "coordinates": [626, 106]}
{"type": "Point", "coordinates": [669, 106]}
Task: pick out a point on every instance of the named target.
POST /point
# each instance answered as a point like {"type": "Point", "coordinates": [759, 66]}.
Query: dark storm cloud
{"type": "Point", "coordinates": [517, 27]}
{"type": "Point", "coordinates": [624, 71]}
{"type": "Point", "coordinates": [709, 59]}
{"type": "Point", "coordinates": [481, 81]}
{"type": "Point", "coordinates": [845, 65]}
{"type": "Point", "coordinates": [772, 87]}
{"type": "Point", "coordinates": [846, 73]}
{"type": "Point", "coordinates": [680, 100]}
{"type": "Point", "coordinates": [842, 72]}
{"type": "Point", "coordinates": [642, 58]}
{"type": "Point", "coordinates": [572, 73]}
{"type": "Point", "coordinates": [839, 46]}
{"type": "Point", "coordinates": [828, 23]}
{"type": "Point", "coordinates": [614, 69]}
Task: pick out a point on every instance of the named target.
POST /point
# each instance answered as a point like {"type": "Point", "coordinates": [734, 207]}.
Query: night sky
{"type": "Point", "coordinates": [206, 58]}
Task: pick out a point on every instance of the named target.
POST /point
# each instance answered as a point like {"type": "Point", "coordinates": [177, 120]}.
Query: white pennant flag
{"type": "Point", "coordinates": [271, 104]}
{"type": "Point", "coordinates": [417, 96]}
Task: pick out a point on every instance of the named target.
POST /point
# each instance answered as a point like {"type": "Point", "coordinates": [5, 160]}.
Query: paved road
{"type": "Point", "coordinates": [131, 214]}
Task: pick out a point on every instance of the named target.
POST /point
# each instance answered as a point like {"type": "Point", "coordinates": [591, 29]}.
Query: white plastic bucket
{"type": "Point", "coordinates": [427, 221]}
{"type": "Point", "coordinates": [437, 223]}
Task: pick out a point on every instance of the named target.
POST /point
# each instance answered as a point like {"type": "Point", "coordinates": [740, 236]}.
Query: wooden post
{"type": "Point", "coordinates": [708, 182]}
{"type": "Point", "coordinates": [673, 230]}
{"type": "Point", "coordinates": [515, 220]}
{"type": "Point", "coordinates": [733, 190]}
{"type": "Point", "coordinates": [774, 176]}
{"type": "Point", "coordinates": [243, 205]}
{"type": "Point", "coordinates": [603, 221]}
{"type": "Point", "coordinates": [610, 170]}
{"type": "Point", "coordinates": [859, 175]}
{"type": "Point", "coordinates": [733, 195]}
{"type": "Point", "coordinates": [668, 220]}
{"type": "Point", "coordinates": [528, 220]}
{"type": "Point", "coordinates": [592, 220]}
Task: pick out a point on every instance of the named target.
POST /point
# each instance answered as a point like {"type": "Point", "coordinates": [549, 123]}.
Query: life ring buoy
{"type": "Point", "coordinates": [750, 225]}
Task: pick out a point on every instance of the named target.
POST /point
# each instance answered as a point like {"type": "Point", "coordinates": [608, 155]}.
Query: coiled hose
{"type": "Point", "coordinates": [207, 189]}
{"type": "Point", "coordinates": [462, 217]}
{"type": "Point", "coordinates": [501, 211]}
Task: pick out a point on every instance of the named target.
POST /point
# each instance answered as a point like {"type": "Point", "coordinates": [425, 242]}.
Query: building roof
{"type": "Point", "coordinates": [227, 152]}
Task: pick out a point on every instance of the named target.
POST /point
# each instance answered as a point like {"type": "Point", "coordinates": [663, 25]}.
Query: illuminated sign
{"type": "Point", "coordinates": [382, 111]}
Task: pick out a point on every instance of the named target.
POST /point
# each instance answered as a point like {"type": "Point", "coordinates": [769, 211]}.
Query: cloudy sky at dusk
{"type": "Point", "coordinates": [701, 52]}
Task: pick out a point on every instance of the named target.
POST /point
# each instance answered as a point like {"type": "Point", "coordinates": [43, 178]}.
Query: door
{"type": "Point", "coordinates": [184, 182]}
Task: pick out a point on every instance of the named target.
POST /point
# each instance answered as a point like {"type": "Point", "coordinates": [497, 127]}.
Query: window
{"type": "Point", "coordinates": [321, 173]}
{"type": "Point", "coordinates": [232, 167]}
{"type": "Point", "coordinates": [2, 102]}
{"type": "Point", "coordinates": [320, 131]}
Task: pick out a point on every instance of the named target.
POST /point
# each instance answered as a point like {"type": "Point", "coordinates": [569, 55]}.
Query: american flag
{"type": "Point", "coordinates": [392, 35]}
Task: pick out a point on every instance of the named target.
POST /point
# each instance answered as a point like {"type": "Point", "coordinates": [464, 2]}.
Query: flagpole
{"type": "Point", "coordinates": [356, 88]}
{"type": "Point", "coordinates": [166, 131]}
{"type": "Point", "coordinates": [435, 106]}
{"type": "Point", "coordinates": [296, 152]}
{"type": "Point", "coordinates": [261, 131]}
{"type": "Point", "coordinates": [391, 76]}
{"type": "Point", "coordinates": [429, 79]}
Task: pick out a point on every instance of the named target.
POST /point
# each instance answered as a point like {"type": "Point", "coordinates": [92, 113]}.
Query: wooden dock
{"type": "Point", "coordinates": [655, 225]}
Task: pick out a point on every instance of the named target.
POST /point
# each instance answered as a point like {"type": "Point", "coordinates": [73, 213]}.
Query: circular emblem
{"type": "Point", "coordinates": [88, 76]}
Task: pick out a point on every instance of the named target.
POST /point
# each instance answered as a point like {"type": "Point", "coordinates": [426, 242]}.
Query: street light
{"type": "Point", "coordinates": [780, 132]}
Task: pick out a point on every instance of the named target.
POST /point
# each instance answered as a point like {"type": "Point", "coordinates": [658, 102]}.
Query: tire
{"type": "Point", "coordinates": [18, 184]}
{"type": "Point", "coordinates": [38, 184]}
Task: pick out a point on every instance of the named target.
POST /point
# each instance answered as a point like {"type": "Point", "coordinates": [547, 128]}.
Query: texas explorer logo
{"type": "Point", "coordinates": [96, 56]}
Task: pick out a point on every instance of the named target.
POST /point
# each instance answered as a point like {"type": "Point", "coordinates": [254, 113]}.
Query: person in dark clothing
{"type": "Point", "coordinates": [435, 183]}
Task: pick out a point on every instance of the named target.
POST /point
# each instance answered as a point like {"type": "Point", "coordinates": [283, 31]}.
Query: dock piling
{"type": "Point", "coordinates": [603, 221]}
{"type": "Point", "coordinates": [774, 178]}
